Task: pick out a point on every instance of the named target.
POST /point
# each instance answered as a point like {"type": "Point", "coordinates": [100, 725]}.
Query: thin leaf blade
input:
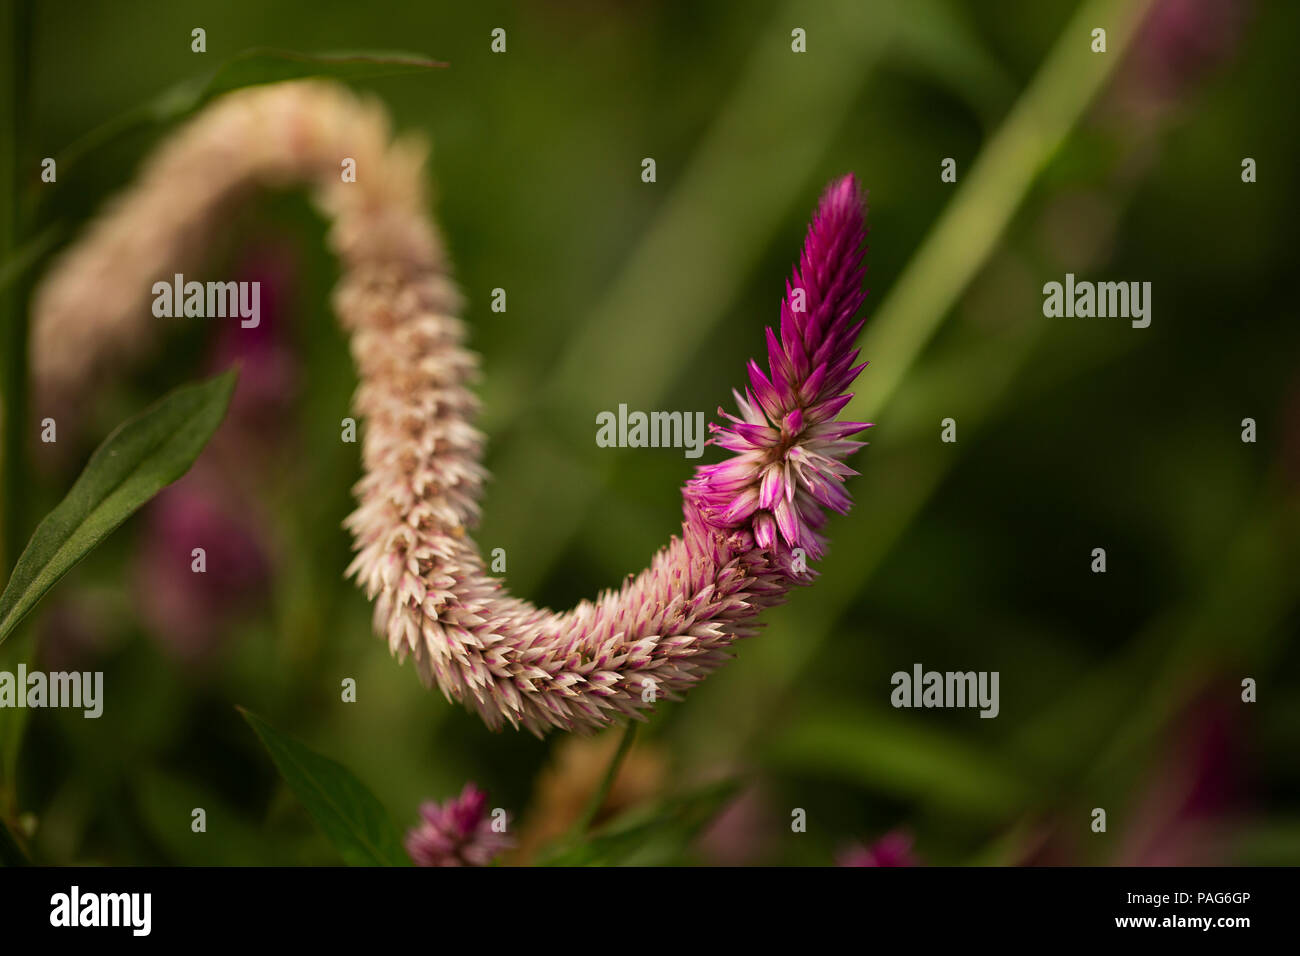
{"type": "Point", "coordinates": [349, 815]}
{"type": "Point", "coordinates": [140, 458]}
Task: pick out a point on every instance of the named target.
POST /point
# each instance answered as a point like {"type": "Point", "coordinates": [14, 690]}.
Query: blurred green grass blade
{"type": "Point", "coordinates": [964, 236]}
{"type": "Point", "coordinates": [140, 458]}
{"type": "Point", "coordinates": [723, 209]}
{"type": "Point", "coordinates": [960, 242]}
{"type": "Point", "coordinates": [656, 835]}
{"type": "Point", "coordinates": [901, 758]}
{"type": "Point", "coordinates": [248, 68]}
{"type": "Point", "coordinates": [351, 817]}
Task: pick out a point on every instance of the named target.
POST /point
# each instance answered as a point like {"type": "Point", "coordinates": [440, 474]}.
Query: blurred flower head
{"type": "Point", "coordinates": [189, 610]}
{"type": "Point", "coordinates": [268, 365]}
{"type": "Point", "coordinates": [458, 832]}
{"type": "Point", "coordinates": [1178, 45]}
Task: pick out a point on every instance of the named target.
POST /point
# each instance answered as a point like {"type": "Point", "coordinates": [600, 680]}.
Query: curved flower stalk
{"type": "Point", "coordinates": [750, 523]}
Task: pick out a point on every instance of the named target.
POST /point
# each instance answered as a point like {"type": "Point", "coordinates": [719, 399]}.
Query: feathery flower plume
{"type": "Point", "coordinates": [456, 833]}
{"type": "Point", "coordinates": [509, 661]}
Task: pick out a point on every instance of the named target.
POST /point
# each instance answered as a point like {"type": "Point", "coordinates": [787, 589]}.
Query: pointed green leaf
{"type": "Point", "coordinates": [140, 458]}
{"type": "Point", "coordinates": [348, 814]}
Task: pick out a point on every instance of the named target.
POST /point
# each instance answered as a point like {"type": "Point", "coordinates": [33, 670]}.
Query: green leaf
{"type": "Point", "coordinates": [349, 815]}
{"type": "Point", "coordinates": [140, 458]}
{"type": "Point", "coordinates": [652, 836]}
{"type": "Point", "coordinates": [249, 68]}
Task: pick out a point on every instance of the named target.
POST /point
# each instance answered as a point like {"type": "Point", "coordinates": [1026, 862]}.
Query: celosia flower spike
{"type": "Point", "coordinates": [789, 447]}
{"type": "Point", "coordinates": [657, 635]}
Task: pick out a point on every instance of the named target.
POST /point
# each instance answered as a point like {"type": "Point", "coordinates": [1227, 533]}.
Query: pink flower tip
{"type": "Point", "coordinates": [459, 832]}
{"type": "Point", "coordinates": [788, 447]}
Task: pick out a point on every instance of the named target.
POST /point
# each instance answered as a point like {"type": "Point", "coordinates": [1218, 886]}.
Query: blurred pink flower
{"type": "Point", "coordinates": [1182, 40]}
{"type": "Point", "coordinates": [188, 610]}
{"type": "Point", "coordinates": [1198, 791]}
{"type": "Point", "coordinates": [456, 833]}
{"type": "Point", "coordinates": [1178, 46]}
{"type": "Point", "coordinates": [268, 365]}
{"type": "Point", "coordinates": [741, 835]}
{"type": "Point", "coordinates": [892, 849]}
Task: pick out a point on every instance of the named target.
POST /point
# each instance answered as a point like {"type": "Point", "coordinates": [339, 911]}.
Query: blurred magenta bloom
{"type": "Point", "coordinates": [188, 610]}
{"type": "Point", "coordinates": [1198, 792]}
{"type": "Point", "coordinates": [1179, 44]}
{"type": "Point", "coordinates": [741, 834]}
{"type": "Point", "coordinates": [268, 364]}
{"type": "Point", "coordinates": [892, 849]}
{"type": "Point", "coordinates": [456, 833]}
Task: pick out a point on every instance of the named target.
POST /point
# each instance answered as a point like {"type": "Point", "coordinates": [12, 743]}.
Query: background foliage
{"type": "Point", "coordinates": [1118, 690]}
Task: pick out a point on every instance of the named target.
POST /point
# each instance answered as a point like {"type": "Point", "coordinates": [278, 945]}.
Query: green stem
{"type": "Point", "coordinates": [602, 792]}
{"type": "Point", "coordinates": [15, 41]}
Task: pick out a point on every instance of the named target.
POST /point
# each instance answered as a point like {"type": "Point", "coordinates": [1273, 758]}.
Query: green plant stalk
{"type": "Point", "coordinates": [607, 782]}
{"type": "Point", "coordinates": [15, 36]}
